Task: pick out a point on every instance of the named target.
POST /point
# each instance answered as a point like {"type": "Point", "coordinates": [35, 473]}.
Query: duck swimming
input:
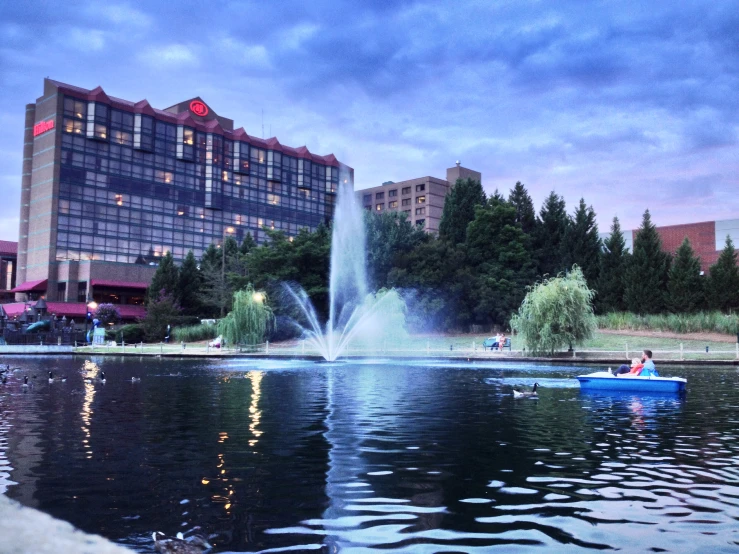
{"type": "Point", "coordinates": [25, 382]}
{"type": "Point", "coordinates": [51, 377]}
{"type": "Point", "coordinates": [526, 394]}
{"type": "Point", "coordinates": [196, 544]}
{"type": "Point", "coordinates": [135, 379]}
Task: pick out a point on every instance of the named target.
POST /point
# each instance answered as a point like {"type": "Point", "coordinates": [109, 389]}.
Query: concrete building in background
{"type": "Point", "coordinates": [421, 199]}
{"type": "Point", "coordinates": [111, 185]}
{"type": "Point", "coordinates": [8, 264]}
{"type": "Point", "coordinates": [707, 238]}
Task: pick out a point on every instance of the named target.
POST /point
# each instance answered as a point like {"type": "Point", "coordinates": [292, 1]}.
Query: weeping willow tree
{"type": "Point", "coordinates": [556, 313]}
{"type": "Point", "coordinates": [249, 320]}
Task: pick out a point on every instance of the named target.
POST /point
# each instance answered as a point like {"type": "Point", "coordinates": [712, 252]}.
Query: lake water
{"type": "Point", "coordinates": [413, 457]}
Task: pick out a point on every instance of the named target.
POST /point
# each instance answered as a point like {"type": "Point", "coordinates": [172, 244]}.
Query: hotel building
{"type": "Point", "coordinates": [421, 199]}
{"type": "Point", "coordinates": [110, 185]}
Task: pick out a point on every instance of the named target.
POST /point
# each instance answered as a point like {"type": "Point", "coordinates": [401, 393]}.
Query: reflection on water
{"type": "Point", "coordinates": [278, 456]}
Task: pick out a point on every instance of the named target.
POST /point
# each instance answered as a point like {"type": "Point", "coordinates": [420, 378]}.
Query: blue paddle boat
{"type": "Point", "coordinates": [604, 380]}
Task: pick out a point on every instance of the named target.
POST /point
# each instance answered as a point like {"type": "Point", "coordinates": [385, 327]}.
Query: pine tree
{"type": "Point", "coordinates": [613, 261]}
{"type": "Point", "coordinates": [188, 285]}
{"type": "Point", "coordinates": [550, 236]}
{"type": "Point", "coordinates": [723, 282]}
{"type": "Point", "coordinates": [645, 280]}
{"type": "Point", "coordinates": [165, 278]}
{"type": "Point", "coordinates": [247, 244]}
{"type": "Point", "coordinates": [520, 199]}
{"type": "Point", "coordinates": [685, 288]}
{"type": "Point", "coordinates": [459, 210]}
{"type": "Point", "coordinates": [584, 243]}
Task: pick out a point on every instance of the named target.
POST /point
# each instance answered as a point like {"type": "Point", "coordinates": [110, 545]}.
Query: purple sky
{"type": "Point", "coordinates": [631, 105]}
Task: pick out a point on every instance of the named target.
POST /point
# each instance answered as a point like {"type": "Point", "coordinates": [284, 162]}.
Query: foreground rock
{"type": "Point", "coordinates": [28, 531]}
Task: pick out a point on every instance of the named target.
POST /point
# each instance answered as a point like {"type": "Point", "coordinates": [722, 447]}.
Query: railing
{"type": "Point", "coordinates": [436, 348]}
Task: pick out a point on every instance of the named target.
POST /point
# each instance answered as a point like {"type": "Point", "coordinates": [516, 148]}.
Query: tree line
{"type": "Point", "coordinates": [488, 252]}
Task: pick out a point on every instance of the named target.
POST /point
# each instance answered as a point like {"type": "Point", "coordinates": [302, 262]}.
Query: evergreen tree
{"type": "Point", "coordinates": [645, 280]}
{"type": "Point", "coordinates": [550, 236]}
{"type": "Point", "coordinates": [165, 278]}
{"type": "Point", "coordinates": [584, 243]}
{"type": "Point", "coordinates": [723, 282]}
{"type": "Point", "coordinates": [211, 258]}
{"type": "Point", "coordinates": [685, 286]}
{"type": "Point", "coordinates": [247, 244]}
{"type": "Point", "coordinates": [520, 199]}
{"type": "Point", "coordinates": [459, 210]}
{"type": "Point", "coordinates": [499, 254]}
{"type": "Point", "coordinates": [188, 286]}
{"type": "Point", "coordinates": [613, 261]}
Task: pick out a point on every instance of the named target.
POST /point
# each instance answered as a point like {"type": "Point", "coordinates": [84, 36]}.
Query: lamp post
{"type": "Point", "coordinates": [226, 231]}
{"type": "Point", "coordinates": [91, 305]}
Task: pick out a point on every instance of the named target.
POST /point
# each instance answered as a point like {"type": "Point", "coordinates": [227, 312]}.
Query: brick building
{"type": "Point", "coordinates": [421, 199]}
{"type": "Point", "coordinates": [707, 238]}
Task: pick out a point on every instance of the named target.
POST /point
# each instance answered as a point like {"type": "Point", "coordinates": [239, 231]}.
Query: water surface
{"type": "Point", "coordinates": [413, 457]}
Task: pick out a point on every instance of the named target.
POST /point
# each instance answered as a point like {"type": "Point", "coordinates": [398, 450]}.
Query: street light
{"type": "Point", "coordinates": [226, 231]}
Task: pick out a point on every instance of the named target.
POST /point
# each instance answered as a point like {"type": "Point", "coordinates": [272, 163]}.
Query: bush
{"type": "Point", "coordinates": [131, 333]}
{"type": "Point", "coordinates": [107, 313]}
{"type": "Point", "coordinates": [193, 333]}
{"type": "Point", "coordinates": [700, 322]}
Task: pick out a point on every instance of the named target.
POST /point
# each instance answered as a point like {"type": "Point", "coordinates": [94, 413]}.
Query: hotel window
{"type": "Point", "coordinates": [379, 207]}
{"type": "Point", "coordinates": [406, 202]}
{"type": "Point", "coordinates": [421, 200]}
{"type": "Point", "coordinates": [368, 208]}
{"type": "Point", "coordinates": [394, 204]}
{"type": "Point", "coordinates": [82, 291]}
{"type": "Point", "coordinates": [420, 188]}
{"type": "Point", "coordinates": [74, 108]}
{"type": "Point", "coordinates": [97, 121]}
{"type": "Point", "coordinates": [380, 196]}
{"type": "Point", "coordinates": [420, 211]}
{"type": "Point", "coordinates": [241, 157]}
{"type": "Point", "coordinates": [407, 212]}
{"type": "Point", "coordinates": [274, 166]}
{"type": "Point", "coordinates": [368, 199]}
{"type": "Point", "coordinates": [392, 193]}
{"type": "Point", "coordinates": [185, 143]}
{"type": "Point", "coordinates": [406, 190]}
{"type": "Point", "coordinates": [420, 222]}
{"type": "Point", "coordinates": [61, 291]}
{"type": "Point", "coordinates": [143, 133]}
{"type": "Point", "coordinates": [73, 126]}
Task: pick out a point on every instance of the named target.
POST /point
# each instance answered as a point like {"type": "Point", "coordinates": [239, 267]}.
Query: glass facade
{"type": "Point", "coordinates": [133, 187]}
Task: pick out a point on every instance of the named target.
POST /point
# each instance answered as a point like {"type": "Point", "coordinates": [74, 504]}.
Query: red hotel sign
{"type": "Point", "coordinates": [41, 127]}
{"type": "Point", "coordinates": [198, 108]}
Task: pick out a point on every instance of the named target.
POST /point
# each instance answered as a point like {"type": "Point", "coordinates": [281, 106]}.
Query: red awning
{"type": "Point", "coordinates": [73, 309]}
{"type": "Point", "coordinates": [119, 284]}
{"type": "Point", "coordinates": [32, 286]}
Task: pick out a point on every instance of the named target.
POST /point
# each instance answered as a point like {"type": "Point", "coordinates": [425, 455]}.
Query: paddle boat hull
{"type": "Point", "coordinates": [605, 381]}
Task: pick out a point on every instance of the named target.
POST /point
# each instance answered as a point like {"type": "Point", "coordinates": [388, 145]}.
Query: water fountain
{"type": "Point", "coordinates": [354, 312]}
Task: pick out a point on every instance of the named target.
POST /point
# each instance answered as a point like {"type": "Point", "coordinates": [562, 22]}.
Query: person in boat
{"type": "Point", "coordinates": [648, 370]}
{"type": "Point", "coordinates": [631, 371]}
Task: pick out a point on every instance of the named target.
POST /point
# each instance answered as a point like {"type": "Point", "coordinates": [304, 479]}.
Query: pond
{"type": "Point", "coordinates": [401, 456]}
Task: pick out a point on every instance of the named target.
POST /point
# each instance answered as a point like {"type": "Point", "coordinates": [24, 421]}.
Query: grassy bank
{"type": "Point", "coordinates": [701, 322]}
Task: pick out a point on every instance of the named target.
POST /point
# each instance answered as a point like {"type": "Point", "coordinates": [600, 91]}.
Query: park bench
{"type": "Point", "coordinates": [492, 344]}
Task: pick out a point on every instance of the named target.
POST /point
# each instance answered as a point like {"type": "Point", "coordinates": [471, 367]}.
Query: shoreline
{"type": "Point", "coordinates": [580, 358]}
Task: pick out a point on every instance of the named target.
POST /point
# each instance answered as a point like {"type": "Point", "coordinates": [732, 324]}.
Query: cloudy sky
{"type": "Point", "coordinates": [630, 104]}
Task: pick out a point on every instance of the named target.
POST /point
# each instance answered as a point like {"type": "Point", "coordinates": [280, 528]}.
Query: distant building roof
{"type": "Point", "coordinates": [8, 248]}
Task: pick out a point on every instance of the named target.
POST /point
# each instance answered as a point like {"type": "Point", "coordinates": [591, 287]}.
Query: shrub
{"type": "Point", "coordinates": [700, 322]}
{"type": "Point", "coordinates": [193, 333]}
{"type": "Point", "coordinates": [131, 333]}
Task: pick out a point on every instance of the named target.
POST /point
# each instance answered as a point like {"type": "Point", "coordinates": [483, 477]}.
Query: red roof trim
{"type": "Point", "coordinates": [97, 94]}
{"type": "Point", "coordinates": [8, 248]}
